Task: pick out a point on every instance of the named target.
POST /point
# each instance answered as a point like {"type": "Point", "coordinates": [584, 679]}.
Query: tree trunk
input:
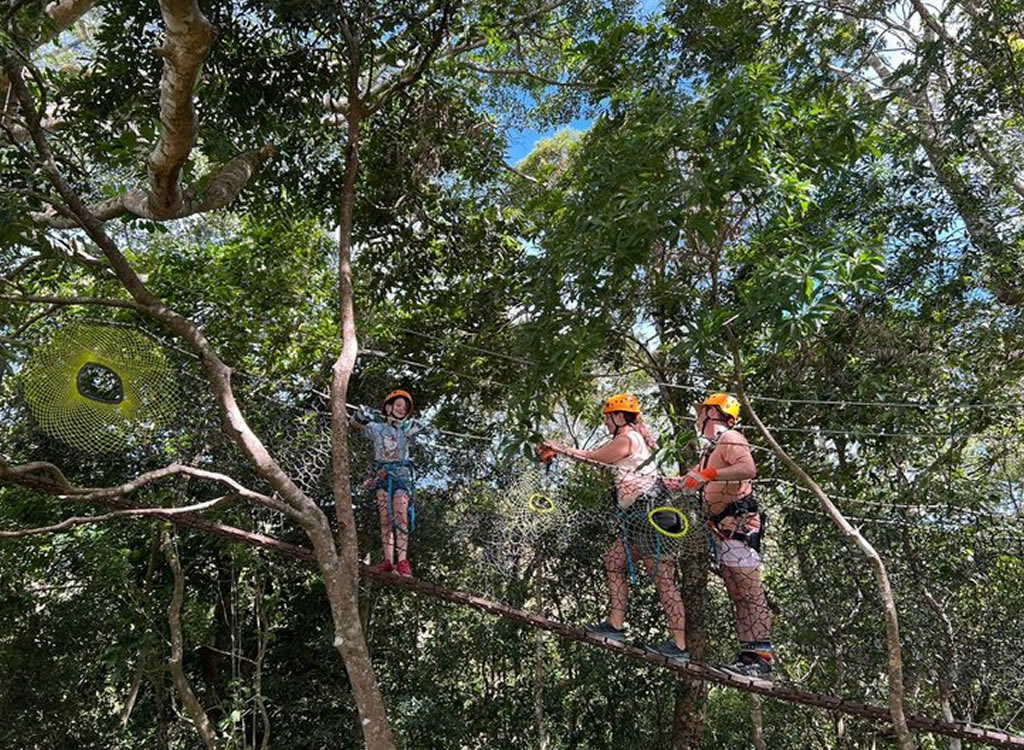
{"type": "Point", "coordinates": [344, 593]}
{"type": "Point", "coordinates": [176, 663]}
{"type": "Point", "coordinates": [539, 665]}
{"type": "Point", "coordinates": [690, 711]}
{"type": "Point", "coordinates": [757, 722]}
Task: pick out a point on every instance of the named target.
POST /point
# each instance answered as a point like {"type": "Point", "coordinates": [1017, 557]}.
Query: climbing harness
{"type": "Point", "coordinates": [640, 514]}
{"type": "Point", "coordinates": [401, 477]}
{"type": "Point", "coordinates": [741, 507]}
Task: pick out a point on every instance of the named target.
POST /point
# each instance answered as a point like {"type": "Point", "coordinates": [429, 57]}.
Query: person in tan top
{"type": "Point", "coordinates": [631, 452]}
{"type": "Point", "coordinates": [723, 479]}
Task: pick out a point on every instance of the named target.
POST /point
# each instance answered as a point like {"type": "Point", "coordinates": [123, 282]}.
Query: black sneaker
{"type": "Point", "coordinates": [606, 632]}
{"type": "Point", "coordinates": [670, 651]}
{"type": "Point", "coordinates": [752, 664]}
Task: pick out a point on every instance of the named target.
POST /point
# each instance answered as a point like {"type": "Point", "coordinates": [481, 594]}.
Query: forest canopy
{"type": "Point", "coordinates": [229, 229]}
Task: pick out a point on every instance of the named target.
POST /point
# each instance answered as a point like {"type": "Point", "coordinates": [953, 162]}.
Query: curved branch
{"type": "Point", "coordinates": [217, 372]}
{"type": "Point", "coordinates": [223, 189]}
{"type": "Point", "coordinates": [47, 477]}
{"type": "Point", "coordinates": [904, 738]}
{"type": "Point", "coordinates": [189, 38]}
{"type": "Point", "coordinates": [36, 475]}
{"type": "Point", "coordinates": [160, 513]}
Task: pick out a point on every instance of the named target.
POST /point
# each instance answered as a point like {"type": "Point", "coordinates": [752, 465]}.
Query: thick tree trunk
{"type": "Point", "coordinates": [690, 708]}
{"type": "Point", "coordinates": [690, 712]}
{"type": "Point", "coordinates": [349, 637]}
{"type": "Point", "coordinates": [189, 38]}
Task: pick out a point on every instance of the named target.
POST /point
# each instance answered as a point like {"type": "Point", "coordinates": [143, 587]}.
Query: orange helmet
{"type": "Point", "coordinates": [622, 402]}
{"type": "Point", "coordinates": [397, 394]}
{"type": "Point", "coordinates": [725, 402]}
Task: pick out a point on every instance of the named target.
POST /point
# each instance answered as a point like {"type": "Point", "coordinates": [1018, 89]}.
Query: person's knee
{"type": "Point", "coordinates": [666, 587]}
{"type": "Point", "coordinates": [614, 560]}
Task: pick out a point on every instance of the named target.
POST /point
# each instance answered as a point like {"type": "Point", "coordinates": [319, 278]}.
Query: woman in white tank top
{"type": "Point", "coordinates": [630, 452]}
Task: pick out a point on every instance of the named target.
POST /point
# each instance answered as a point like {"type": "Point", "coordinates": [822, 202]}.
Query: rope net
{"type": "Point", "coordinates": [100, 388]}
{"type": "Point", "coordinates": [594, 538]}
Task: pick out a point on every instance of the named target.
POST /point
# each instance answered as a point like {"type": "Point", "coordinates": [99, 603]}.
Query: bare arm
{"type": "Point", "coordinates": [743, 469]}
{"type": "Point", "coordinates": [611, 452]}
{"type": "Point", "coordinates": [741, 465]}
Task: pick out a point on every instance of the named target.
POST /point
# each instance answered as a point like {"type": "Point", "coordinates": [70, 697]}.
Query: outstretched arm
{"type": "Point", "coordinates": [414, 427]}
{"type": "Point", "coordinates": [360, 418]}
{"type": "Point", "coordinates": [611, 452]}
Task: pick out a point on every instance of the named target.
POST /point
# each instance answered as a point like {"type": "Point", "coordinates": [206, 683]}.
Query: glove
{"type": "Point", "coordinates": [546, 453]}
{"type": "Point", "coordinates": [695, 479]}
{"type": "Point", "coordinates": [363, 415]}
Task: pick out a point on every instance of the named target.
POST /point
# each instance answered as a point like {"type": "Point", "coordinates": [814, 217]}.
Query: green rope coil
{"type": "Point", "coordinates": [98, 388]}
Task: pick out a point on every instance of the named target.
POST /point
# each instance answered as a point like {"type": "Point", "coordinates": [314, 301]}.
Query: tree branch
{"type": "Point", "coordinates": [45, 300]}
{"type": "Point", "coordinates": [217, 372]}
{"type": "Point", "coordinates": [520, 174]}
{"type": "Point", "coordinates": [189, 38]}
{"type": "Point", "coordinates": [525, 73]}
{"type": "Point", "coordinates": [46, 476]}
{"type": "Point", "coordinates": [513, 23]}
{"type": "Point", "coordinates": [895, 654]}
{"type": "Point", "coordinates": [412, 73]}
{"type": "Point", "coordinates": [62, 14]}
{"type": "Point", "coordinates": [222, 190]}
{"type": "Point", "coordinates": [160, 513]}
{"type": "Point", "coordinates": [176, 663]}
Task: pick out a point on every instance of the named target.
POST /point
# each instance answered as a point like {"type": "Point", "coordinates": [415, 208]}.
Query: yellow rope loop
{"type": "Point", "coordinates": [654, 520]}
{"type": "Point", "coordinates": [666, 517]}
{"type": "Point", "coordinates": [540, 503]}
{"type": "Point", "coordinates": [97, 388]}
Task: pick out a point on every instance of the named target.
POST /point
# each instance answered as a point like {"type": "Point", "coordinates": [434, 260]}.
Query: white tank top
{"type": "Point", "coordinates": [633, 480]}
{"type": "Point", "coordinates": [640, 453]}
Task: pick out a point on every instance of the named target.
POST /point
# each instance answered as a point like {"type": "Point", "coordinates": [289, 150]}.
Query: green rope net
{"type": "Point", "coordinates": [99, 388]}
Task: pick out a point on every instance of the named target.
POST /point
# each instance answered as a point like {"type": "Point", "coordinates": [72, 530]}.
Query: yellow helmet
{"type": "Point", "coordinates": [398, 394]}
{"type": "Point", "coordinates": [622, 402]}
{"type": "Point", "coordinates": [725, 402]}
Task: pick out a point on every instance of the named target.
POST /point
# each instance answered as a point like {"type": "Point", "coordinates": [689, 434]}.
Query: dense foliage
{"type": "Point", "coordinates": [834, 184]}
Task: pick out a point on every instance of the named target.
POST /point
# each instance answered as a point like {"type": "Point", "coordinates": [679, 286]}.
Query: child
{"type": "Point", "coordinates": [393, 483]}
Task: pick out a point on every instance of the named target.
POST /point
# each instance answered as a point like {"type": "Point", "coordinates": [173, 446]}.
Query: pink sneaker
{"type": "Point", "coordinates": [404, 568]}
{"type": "Point", "coordinates": [384, 567]}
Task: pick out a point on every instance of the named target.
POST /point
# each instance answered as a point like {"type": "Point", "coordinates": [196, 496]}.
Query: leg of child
{"type": "Point", "coordinates": [385, 526]}
{"type": "Point", "coordinates": [400, 502]}
{"type": "Point", "coordinates": [618, 585]}
{"type": "Point", "coordinates": [671, 599]}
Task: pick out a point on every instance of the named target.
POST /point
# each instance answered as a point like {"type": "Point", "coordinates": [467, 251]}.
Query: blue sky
{"type": "Point", "coordinates": [521, 142]}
